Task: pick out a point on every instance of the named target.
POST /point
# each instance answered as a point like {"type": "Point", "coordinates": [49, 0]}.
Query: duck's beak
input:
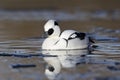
{"type": "Point", "coordinates": [45, 35]}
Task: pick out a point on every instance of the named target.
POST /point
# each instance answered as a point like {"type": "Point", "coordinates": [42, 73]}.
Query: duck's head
{"type": "Point", "coordinates": [52, 28]}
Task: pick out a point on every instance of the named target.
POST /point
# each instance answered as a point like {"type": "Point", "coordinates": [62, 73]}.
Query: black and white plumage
{"type": "Point", "coordinates": [68, 39]}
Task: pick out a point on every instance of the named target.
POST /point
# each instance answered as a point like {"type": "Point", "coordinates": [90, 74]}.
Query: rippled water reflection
{"type": "Point", "coordinates": [24, 60]}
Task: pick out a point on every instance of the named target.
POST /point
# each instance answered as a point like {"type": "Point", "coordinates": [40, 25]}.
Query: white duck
{"type": "Point", "coordinates": [68, 39]}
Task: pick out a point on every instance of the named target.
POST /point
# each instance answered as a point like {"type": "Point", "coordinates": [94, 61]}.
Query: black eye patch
{"type": "Point", "coordinates": [55, 23]}
{"type": "Point", "coordinates": [50, 31]}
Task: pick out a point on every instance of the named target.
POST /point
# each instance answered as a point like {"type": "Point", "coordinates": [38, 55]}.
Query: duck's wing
{"type": "Point", "coordinates": [79, 35]}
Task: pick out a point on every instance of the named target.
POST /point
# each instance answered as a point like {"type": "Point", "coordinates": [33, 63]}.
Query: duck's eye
{"type": "Point", "coordinates": [55, 23]}
{"type": "Point", "coordinates": [50, 31]}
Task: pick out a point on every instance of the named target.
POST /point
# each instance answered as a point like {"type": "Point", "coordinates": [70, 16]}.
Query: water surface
{"type": "Point", "coordinates": [21, 57]}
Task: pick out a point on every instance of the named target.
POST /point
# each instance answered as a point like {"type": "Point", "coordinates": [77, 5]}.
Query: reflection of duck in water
{"type": "Point", "coordinates": [68, 39]}
{"type": "Point", "coordinates": [53, 67]}
{"type": "Point", "coordinates": [64, 59]}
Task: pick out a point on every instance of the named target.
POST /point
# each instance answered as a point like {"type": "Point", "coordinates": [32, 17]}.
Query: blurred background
{"type": "Point", "coordinates": [25, 18]}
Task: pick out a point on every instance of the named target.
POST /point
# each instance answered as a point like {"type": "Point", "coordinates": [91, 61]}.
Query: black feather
{"type": "Point", "coordinates": [55, 23]}
{"type": "Point", "coordinates": [81, 36]}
